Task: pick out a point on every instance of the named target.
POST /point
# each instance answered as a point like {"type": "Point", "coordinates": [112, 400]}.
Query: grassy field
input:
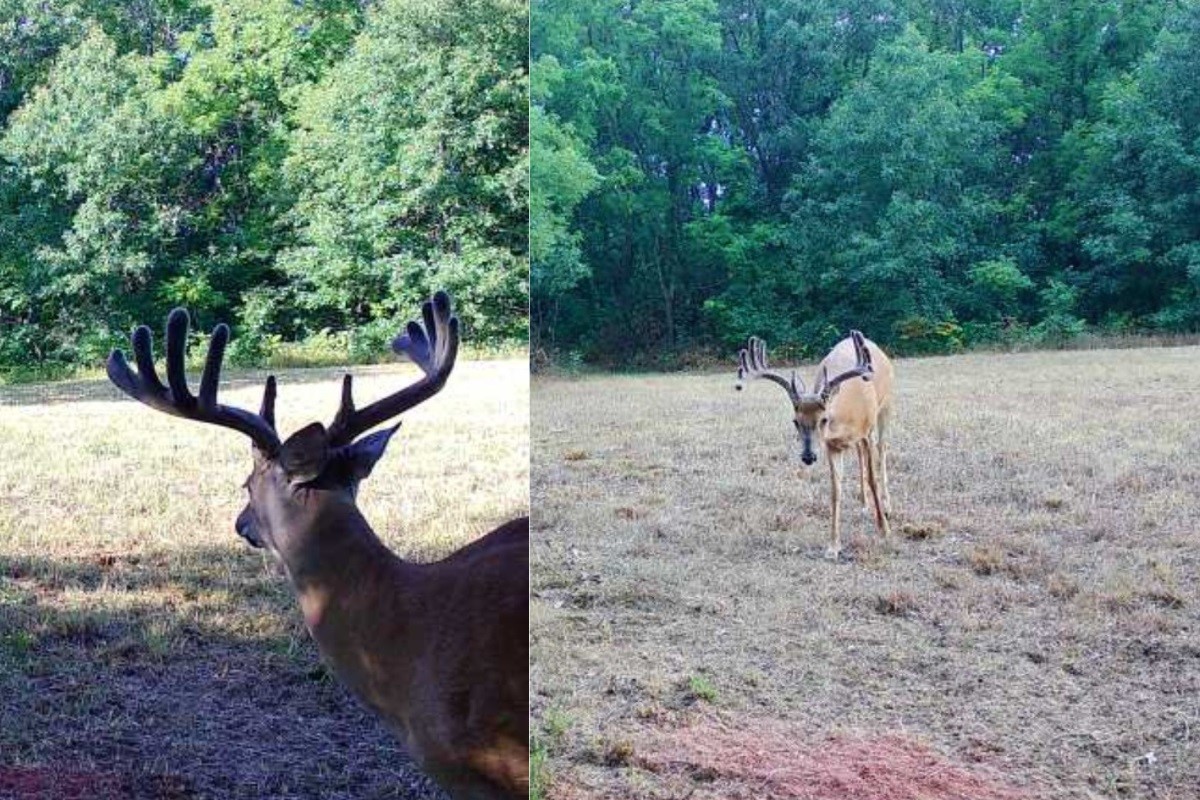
{"type": "Point", "coordinates": [146, 650]}
{"type": "Point", "coordinates": [1033, 629]}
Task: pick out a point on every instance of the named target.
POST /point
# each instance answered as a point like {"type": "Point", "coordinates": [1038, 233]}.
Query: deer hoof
{"type": "Point", "coordinates": [833, 552]}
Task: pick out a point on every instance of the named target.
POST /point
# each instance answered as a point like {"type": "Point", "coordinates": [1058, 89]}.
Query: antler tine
{"type": "Point", "coordinates": [862, 368]}
{"type": "Point", "coordinates": [752, 363]}
{"type": "Point", "coordinates": [345, 410]}
{"type": "Point", "coordinates": [143, 353]}
{"type": "Point", "coordinates": [212, 366]}
{"type": "Point", "coordinates": [760, 355]}
{"type": "Point", "coordinates": [743, 370]}
{"type": "Point", "coordinates": [176, 398]}
{"type": "Point", "coordinates": [861, 350]}
{"type": "Point", "coordinates": [432, 347]}
{"type": "Point", "coordinates": [267, 410]}
{"type": "Point", "coordinates": [177, 331]}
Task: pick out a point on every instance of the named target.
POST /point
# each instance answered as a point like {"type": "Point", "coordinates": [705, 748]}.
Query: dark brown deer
{"type": "Point", "coordinates": [439, 650]}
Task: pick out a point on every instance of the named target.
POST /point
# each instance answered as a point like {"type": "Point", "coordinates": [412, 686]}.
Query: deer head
{"type": "Point", "coordinates": [810, 409]}
{"type": "Point", "coordinates": [296, 481]}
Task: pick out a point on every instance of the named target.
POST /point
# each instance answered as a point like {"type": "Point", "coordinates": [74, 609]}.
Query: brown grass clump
{"type": "Point", "coordinates": [985, 559]}
{"type": "Point", "coordinates": [617, 754]}
{"type": "Point", "coordinates": [1061, 586]}
{"type": "Point", "coordinates": [918, 532]}
{"type": "Point", "coordinates": [897, 602]}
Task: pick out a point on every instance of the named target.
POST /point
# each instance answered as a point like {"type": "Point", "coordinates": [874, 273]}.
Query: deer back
{"type": "Point", "coordinates": [857, 404]}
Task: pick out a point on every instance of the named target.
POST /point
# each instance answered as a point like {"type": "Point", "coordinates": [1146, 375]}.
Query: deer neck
{"type": "Point", "coordinates": [333, 559]}
{"type": "Point", "coordinates": [356, 594]}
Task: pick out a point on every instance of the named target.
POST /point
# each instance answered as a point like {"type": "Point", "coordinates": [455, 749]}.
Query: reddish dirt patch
{"type": "Point", "coordinates": [51, 783]}
{"type": "Point", "coordinates": [771, 759]}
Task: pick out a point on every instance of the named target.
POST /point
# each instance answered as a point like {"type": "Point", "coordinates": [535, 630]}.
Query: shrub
{"type": "Point", "coordinates": [918, 335]}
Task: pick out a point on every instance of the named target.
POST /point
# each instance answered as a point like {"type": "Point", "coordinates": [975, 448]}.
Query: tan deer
{"type": "Point", "coordinates": [843, 413]}
{"type": "Point", "coordinates": [439, 650]}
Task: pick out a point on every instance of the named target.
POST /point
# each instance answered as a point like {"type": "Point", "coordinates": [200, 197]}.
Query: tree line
{"type": "Point", "coordinates": [299, 168]}
{"type": "Point", "coordinates": [939, 173]}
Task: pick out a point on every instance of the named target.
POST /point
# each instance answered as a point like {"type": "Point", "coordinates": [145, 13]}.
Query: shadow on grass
{"type": "Point", "coordinates": [184, 675]}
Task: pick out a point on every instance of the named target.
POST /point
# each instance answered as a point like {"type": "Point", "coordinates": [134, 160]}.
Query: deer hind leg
{"type": "Point", "coordinates": [881, 442]}
{"type": "Point", "coordinates": [881, 520]}
{"type": "Point", "coordinates": [835, 474]}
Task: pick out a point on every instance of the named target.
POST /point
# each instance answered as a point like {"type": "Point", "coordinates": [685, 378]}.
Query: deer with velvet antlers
{"type": "Point", "coordinates": [849, 410]}
{"type": "Point", "coordinates": [439, 651]}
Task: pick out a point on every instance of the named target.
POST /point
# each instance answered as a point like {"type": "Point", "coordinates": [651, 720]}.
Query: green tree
{"type": "Point", "coordinates": [1139, 170]}
{"type": "Point", "coordinates": [410, 169]}
{"type": "Point", "coordinates": [900, 198]}
{"type": "Point", "coordinates": [259, 162]}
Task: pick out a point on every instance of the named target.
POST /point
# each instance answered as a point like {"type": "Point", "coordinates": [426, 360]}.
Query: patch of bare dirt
{"type": "Point", "coordinates": [764, 758]}
{"type": "Point", "coordinates": [713, 758]}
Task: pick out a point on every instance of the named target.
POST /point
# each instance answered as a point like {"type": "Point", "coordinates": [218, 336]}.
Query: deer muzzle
{"type": "Point", "coordinates": [247, 527]}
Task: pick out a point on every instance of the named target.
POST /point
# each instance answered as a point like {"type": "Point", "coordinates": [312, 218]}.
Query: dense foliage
{"type": "Point", "coordinates": [300, 168]}
{"type": "Point", "coordinates": [939, 173]}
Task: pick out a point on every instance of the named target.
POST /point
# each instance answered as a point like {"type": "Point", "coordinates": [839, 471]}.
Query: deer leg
{"type": "Point", "coordinates": [835, 474]}
{"type": "Point", "coordinates": [463, 784]}
{"type": "Point", "coordinates": [861, 449]}
{"type": "Point", "coordinates": [881, 520]}
{"type": "Point", "coordinates": [880, 430]}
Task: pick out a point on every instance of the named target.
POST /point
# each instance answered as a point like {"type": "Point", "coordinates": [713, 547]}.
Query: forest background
{"type": "Point", "coordinates": [308, 170]}
{"type": "Point", "coordinates": [939, 173]}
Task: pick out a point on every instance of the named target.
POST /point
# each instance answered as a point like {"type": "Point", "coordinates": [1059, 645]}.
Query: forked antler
{"type": "Point", "coordinates": [826, 386]}
{"type": "Point", "coordinates": [176, 398]}
{"type": "Point", "coordinates": [432, 348]}
{"type": "Point", "coordinates": [752, 363]}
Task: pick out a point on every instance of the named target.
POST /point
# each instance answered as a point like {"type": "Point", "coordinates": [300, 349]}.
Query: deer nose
{"type": "Point", "coordinates": [809, 459]}
{"type": "Point", "coordinates": [245, 528]}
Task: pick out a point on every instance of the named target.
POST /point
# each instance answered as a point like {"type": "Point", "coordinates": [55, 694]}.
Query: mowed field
{"type": "Point", "coordinates": [146, 650]}
{"type": "Point", "coordinates": [1033, 629]}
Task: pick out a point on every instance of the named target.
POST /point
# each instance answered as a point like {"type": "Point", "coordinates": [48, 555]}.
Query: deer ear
{"type": "Point", "coordinates": [306, 452]}
{"type": "Point", "coordinates": [361, 456]}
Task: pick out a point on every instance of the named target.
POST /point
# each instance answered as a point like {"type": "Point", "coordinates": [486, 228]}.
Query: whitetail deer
{"type": "Point", "coordinates": [844, 413]}
{"type": "Point", "coordinates": [439, 650]}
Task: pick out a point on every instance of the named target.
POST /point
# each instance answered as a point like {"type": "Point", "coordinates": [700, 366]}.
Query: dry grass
{"type": "Point", "coordinates": [1037, 615]}
{"type": "Point", "coordinates": [143, 641]}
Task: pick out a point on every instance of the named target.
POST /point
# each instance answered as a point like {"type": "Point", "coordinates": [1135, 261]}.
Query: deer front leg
{"type": "Point", "coordinates": [863, 491]}
{"type": "Point", "coordinates": [835, 474]}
